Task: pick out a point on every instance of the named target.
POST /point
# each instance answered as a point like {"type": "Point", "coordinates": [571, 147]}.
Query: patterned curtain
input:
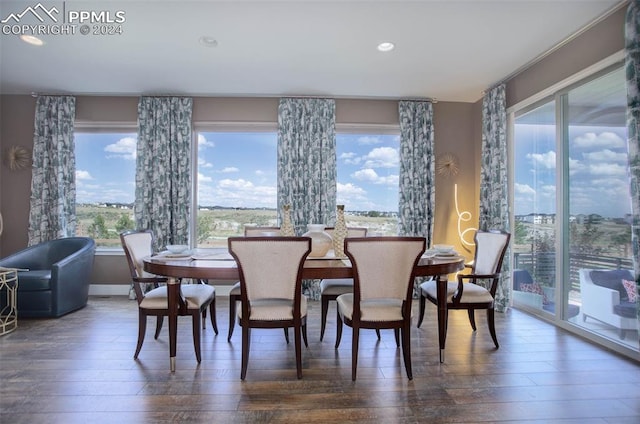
{"type": "Point", "coordinates": [632, 64]}
{"type": "Point", "coordinates": [163, 168]}
{"type": "Point", "coordinates": [52, 211]}
{"type": "Point", "coordinates": [417, 172]}
{"type": "Point", "coordinates": [494, 192]}
{"type": "Point", "coordinates": [307, 165]}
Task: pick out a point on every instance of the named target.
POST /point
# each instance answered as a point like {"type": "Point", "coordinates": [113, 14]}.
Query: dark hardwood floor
{"type": "Point", "coordinates": [80, 368]}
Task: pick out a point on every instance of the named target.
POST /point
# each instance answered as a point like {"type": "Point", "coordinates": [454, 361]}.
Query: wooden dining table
{"type": "Point", "coordinates": [218, 264]}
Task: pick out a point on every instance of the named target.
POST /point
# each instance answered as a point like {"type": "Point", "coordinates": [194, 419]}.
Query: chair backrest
{"type": "Point", "coordinates": [384, 267]}
{"type": "Point", "coordinates": [491, 247]}
{"type": "Point", "coordinates": [351, 231]}
{"type": "Point", "coordinates": [137, 244]}
{"type": "Point", "coordinates": [270, 267]}
{"type": "Point", "coordinates": [252, 231]}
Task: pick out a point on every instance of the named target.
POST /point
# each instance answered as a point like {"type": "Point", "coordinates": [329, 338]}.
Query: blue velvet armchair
{"type": "Point", "coordinates": [57, 278]}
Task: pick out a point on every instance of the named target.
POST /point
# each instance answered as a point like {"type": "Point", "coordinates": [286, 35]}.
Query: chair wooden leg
{"type": "Point", "coordinates": [378, 333]}
{"type": "Point", "coordinates": [338, 329]}
{"type": "Point", "coordinates": [232, 315]}
{"type": "Point", "coordinates": [423, 301]}
{"type": "Point", "coordinates": [396, 333]}
{"type": "Point", "coordinates": [159, 322]}
{"type": "Point", "coordinates": [472, 318]}
{"type": "Point", "coordinates": [142, 329]}
{"type": "Point", "coordinates": [354, 351]}
{"type": "Point", "coordinates": [204, 319]}
{"type": "Point", "coordinates": [195, 325]}
{"type": "Point", "coordinates": [212, 312]}
{"type": "Point", "coordinates": [406, 349]}
{"type": "Point", "coordinates": [492, 326]}
{"type": "Point", "coordinates": [304, 335]}
{"type": "Point", "coordinates": [296, 340]}
{"type": "Point", "coordinates": [246, 339]}
{"type": "Point", "coordinates": [286, 334]}
{"type": "Point", "coordinates": [324, 300]}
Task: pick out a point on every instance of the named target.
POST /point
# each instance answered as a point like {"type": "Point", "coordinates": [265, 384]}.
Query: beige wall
{"type": "Point", "coordinates": [599, 42]}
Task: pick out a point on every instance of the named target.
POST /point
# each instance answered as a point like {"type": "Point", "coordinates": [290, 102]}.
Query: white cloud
{"type": "Point", "coordinates": [125, 148]}
{"type": "Point", "coordinates": [229, 170]}
{"type": "Point", "coordinates": [382, 157]}
{"type": "Point", "coordinates": [350, 158]}
{"type": "Point", "coordinates": [203, 178]}
{"type": "Point", "coordinates": [83, 175]}
{"type": "Point", "coordinates": [371, 176]}
{"type": "Point", "coordinates": [593, 140]}
{"type": "Point", "coordinates": [367, 140]}
{"type": "Point", "coordinates": [203, 142]}
{"type": "Point", "coordinates": [606, 155]}
{"type": "Point", "coordinates": [240, 192]}
{"type": "Point", "coordinates": [523, 189]}
{"type": "Point", "coordinates": [607, 169]}
{"type": "Point", "coordinates": [204, 164]}
{"type": "Point", "coordinates": [545, 160]}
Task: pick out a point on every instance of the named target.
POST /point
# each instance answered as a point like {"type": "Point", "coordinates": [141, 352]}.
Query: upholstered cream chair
{"type": "Point", "coordinates": [491, 247]}
{"type": "Point", "coordinates": [384, 270]}
{"type": "Point", "coordinates": [234, 293]}
{"type": "Point", "coordinates": [270, 271]}
{"type": "Point", "coordinates": [138, 245]}
{"type": "Point", "coordinates": [330, 289]}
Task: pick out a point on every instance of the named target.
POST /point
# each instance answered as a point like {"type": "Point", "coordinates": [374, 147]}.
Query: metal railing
{"type": "Point", "coordinates": [542, 265]}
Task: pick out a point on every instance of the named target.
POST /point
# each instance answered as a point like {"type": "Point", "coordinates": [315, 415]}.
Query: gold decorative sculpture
{"type": "Point", "coordinates": [447, 165]}
{"type": "Point", "coordinates": [17, 157]}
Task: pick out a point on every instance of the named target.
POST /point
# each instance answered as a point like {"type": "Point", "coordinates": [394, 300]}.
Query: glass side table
{"type": "Point", "coordinates": [9, 295]}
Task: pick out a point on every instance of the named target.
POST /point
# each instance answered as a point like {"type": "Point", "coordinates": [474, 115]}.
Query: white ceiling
{"type": "Point", "coordinates": [448, 50]}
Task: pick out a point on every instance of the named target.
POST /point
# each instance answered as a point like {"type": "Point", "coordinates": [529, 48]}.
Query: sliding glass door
{"type": "Point", "coordinates": [572, 207]}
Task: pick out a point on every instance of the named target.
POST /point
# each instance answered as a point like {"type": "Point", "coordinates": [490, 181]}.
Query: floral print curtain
{"type": "Point", "coordinates": [417, 172]}
{"type": "Point", "coordinates": [632, 65]}
{"type": "Point", "coordinates": [52, 212]}
{"type": "Point", "coordinates": [494, 191]}
{"type": "Point", "coordinates": [163, 168]}
{"type": "Point", "coordinates": [307, 165]}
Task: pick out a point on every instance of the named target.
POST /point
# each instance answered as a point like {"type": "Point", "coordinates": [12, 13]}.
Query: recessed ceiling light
{"type": "Point", "coordinates": [386, 46]}
{"type": "Point", "coordinates": [32, 40]}
{"type": "Point", "coordinates": [208, 41]}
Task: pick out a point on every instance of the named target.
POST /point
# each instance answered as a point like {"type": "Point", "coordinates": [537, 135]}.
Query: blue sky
{"type": "Point", "coordinates": [598, 170]}
{"type": "Point", "coordinates": [239, 169]}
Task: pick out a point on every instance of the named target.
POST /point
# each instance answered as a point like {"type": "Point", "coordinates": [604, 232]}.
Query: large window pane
{"type": "Point", "coordinates": [599, 207]}
{"type": "Point", "coordinates": [535, 208]}
{"type": "Point", "coordinates": [368, 168]}
{"type": "Point", "coordinates": [105, 185]}
{"type": "Point", "coordinates": [236, 177]}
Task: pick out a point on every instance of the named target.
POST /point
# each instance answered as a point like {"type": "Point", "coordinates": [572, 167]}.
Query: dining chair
{"type": "Point", "coordinates": [194, 298]}
{"type": "Point", "coordinates": [234, 293]}
{"type": "Point", "coordinates": [466, 293]}
{"type": "Point", "coordinates": [384, 270]}
{"type": "Point", "coordinates": [330, 289]}
{"type": "Point", "coordinates": [270, 270]}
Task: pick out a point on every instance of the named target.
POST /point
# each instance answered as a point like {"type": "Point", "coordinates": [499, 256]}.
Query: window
{"type": "Point", "coordinates": [572, 199]}
{"type": "Point", "coordinates": [236, 184]}
{"type": "Point", "coordinates": [367, 183]}
{"type": "Point", "coordinates": [105, 185]}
